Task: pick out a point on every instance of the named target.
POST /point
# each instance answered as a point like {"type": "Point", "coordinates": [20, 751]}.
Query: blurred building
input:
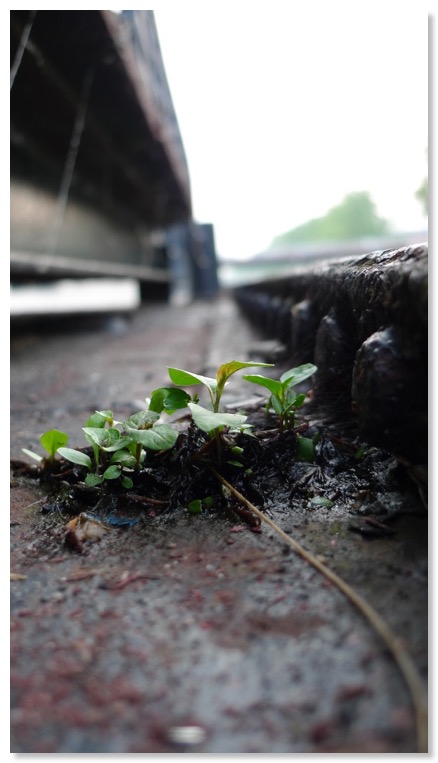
{"type": "Point", "coordinates": [98, 170]}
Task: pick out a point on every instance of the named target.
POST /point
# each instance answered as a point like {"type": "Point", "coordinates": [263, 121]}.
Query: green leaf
{"type": "Point", "coordinates": [52, 440]}
{"type": "Point", "coordinates": [195, 507]}
{"type": "Point", "coordinates": [118, 444]}
{"type": "Point", "coordinates": [107, 415]}
{"type": "Point", "coordinates": [236, 463]}
{"type": "Point", "coordinates": [127, 482]}
{"type": "Point", "coordinates": [95, 421]}
{"type": "Point", "coordinates": [320, 501]}
{"type": "Point", "coordinates": [33, 455]}
{"type": "Point", "coordinates": [277, 406]}
{"type": "Point", "coordinates": [360, 453]}
{"type": "Point", "coordinates": [97, 436]}
{"type": "Point", "coordinates": [158, 396]}
{"type": "Point", "coordinates": [113, 472]}
{"type": "Point", "coordinates": [123, 457]}
{"type": "Point", "coordinates": [209, 421]}
{"type": "Point", "coordinates": [294, 402]}
{"type": "Point", "coordinates": [245, 429]}
{"type": "Point", "coordinates": [160, 437]}
{"type": "Point", "coordinates": [299, 400]}
{"type": "Point", "coordinates": [264, 381]}
{"type": "Point", "coordinates": [98, 419]}
{"type": "Point", "coordinates": [176, 399]}
{"type": "Point", "coordinates": [306, 449]}
{"type": "Point", "coordinates": [75, 456]}
{"type": "Point", "coordinates": [186, 379]}
{"type": "Point", "coordinates": [227, 369]}
{"type": "Point", "coordinates": [141, 420]}
{"type": "Point", "coordinates": [92, 480]}
{"type": "Point", "coordinates": [168, 399]}
{"type": "Point", "coordinates": [299, 374]}
{"type": "Point", "coordinates": [106, 439]}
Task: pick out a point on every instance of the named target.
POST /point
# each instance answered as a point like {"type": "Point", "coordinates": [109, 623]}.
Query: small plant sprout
{"type": "Point", "coordinates": [199, 504]}
{"type": "Point", "coordinates": [114, 470]}
{"type": "Point", "coordinates": [144, 431]}
{"type": "Point", "coordinates": [115, 450]}
{"type": "Point", "coordinates": [51, 441]}
{"type": "Point", "coordinates": [215, 386]}
{"type": "Point", "coordinates": [213, 422]}
{"type": "Point", "coordinates": [121, 447]}
{"type": "Point", "coordinates": [101, 419]}
{"type": "Point", "coordinates": [360, 452]}
{"type": "Point", "coordinates": [103, 441]}
{"type": "Point", "coordinates": [283, 399]}
{"type": "Point", "coordinates": [306, 448]}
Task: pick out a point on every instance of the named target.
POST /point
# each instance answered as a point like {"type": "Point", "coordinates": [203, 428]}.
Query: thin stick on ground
{"type": "Point", "coordinates": [395, 645]}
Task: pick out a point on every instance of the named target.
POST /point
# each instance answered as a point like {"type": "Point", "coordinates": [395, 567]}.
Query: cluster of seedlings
{"type": "Point", "coordinates": [160, 459]}
{"type": "Point", "coordinates": [177, 452]}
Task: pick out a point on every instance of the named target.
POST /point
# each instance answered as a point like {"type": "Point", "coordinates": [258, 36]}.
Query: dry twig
{"type": "Point", "coordinates": [395, 645]}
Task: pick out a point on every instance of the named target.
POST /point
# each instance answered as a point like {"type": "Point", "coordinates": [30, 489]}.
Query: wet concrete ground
{"type": "Point", "coordinates": [191, 633]}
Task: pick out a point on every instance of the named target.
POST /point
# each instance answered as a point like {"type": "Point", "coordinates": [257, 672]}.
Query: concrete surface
{"type": "Point", "coordinates": [190, 633]}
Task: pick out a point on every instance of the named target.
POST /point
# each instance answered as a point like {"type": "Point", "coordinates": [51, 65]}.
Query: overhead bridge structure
{"type": "Point", "coordinates": [98, 170]}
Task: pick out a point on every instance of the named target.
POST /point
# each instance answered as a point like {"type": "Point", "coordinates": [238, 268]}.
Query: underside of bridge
{"type": "Point", "coordinates": [98, 168]}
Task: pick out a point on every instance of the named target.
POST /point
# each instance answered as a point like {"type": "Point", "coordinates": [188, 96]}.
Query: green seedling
{"type": "Point", "coordinates": [235, 451]}
{"type": "Point", "coordinates": [122, 447]}
{"type": "Point", "coordinates": [305, 449]}
{"type": "Point", "coordinates": [116, 451]}
{"type": "Point", "coordinates": [215, 386]}
{"type": "Point", "coordinates": [199, 504]}
{"type": "Point", "coordinates": [213, 421]}
{"type": "Point", "coordinates": [283, 399]}
{"type": "Point", "coordinates": [360, 453]}
{"type": "Point", "coordinates": [51, 441]}
{"type": "Point", "coordinates": [101, 419]}
{"type": "Point", "coordinates": [104, 440]}
{"type": "Point", "coordinates": [145, 433]}
{"type": "Point", "coordinates": [114, 470]}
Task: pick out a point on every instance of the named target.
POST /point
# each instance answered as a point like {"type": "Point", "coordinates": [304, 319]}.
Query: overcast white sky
{"type": "Point", "coordinates": [284, 107]}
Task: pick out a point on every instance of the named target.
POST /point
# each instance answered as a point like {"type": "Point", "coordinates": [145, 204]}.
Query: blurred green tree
{"type": "Point", "coordinates": [422, 194]}
{"type": "Point", "coordinates": [355, 217]}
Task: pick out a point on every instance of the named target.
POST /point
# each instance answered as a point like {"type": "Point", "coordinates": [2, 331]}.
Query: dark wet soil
{"type": "Point", "coordinates": [205, 622]}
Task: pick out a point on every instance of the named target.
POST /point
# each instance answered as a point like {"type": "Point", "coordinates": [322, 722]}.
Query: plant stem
{"type": "Point", "coordinates": [395, 645]}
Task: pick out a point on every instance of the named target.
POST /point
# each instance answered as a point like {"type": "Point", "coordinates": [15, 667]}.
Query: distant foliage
{"type": "Point", "coordinates": [356, 217]}
{"type": "Point", "coordinates": [422, 194]}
